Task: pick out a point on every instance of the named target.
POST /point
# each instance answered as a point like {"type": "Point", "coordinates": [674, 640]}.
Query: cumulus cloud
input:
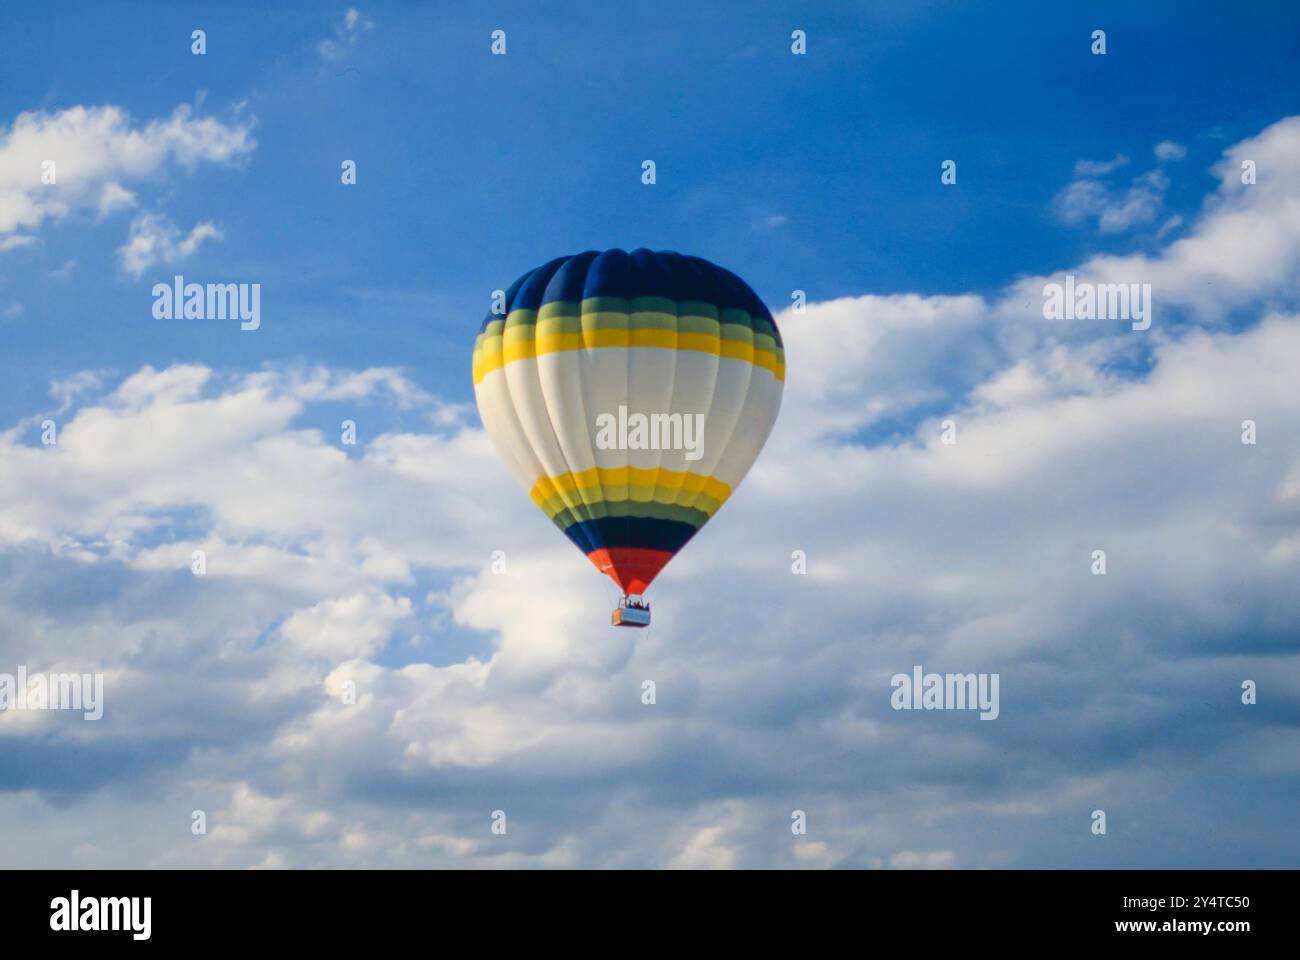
{"type": "Point", "coordinates": [353, 626]}
{"type": "Point", "coordinates": [94, 152]}
{"type": "Point", "coordinates": [350, 682]}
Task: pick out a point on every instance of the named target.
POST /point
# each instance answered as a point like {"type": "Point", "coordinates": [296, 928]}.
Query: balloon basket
{"type": "Point", "coordinates": [631, 611]}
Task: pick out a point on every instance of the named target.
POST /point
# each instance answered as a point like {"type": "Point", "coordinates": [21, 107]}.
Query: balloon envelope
{"type": "Point", "coordinates": [629, 393]}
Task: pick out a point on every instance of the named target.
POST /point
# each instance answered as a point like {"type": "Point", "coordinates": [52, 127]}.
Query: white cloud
{"type": "Point", "coordinates": [875, 356]}
{"type": "Point", "coordinates": [67, 269]}
{"type": "Point", "coordinates": [114, 197]}
{"type": "Point", "coordinates": [1114, 209]}
{"type": "Point", "coordinates": [928, 860]}
{"type": "Point", "coordinates": [1169, 226]}
{"type": "Point", "coordinates": [68, 389]}
{"type": "Point", "coordinates": [347, 34]}
{"type": "Point", "coordinates": [353, 626]}
{"type": "Point", "coordinates": [1099, 168]}
{"type": "Point", "coordinates": [1243, 249]}
{"type": "Point", "coordinates": [706, 848]}
{"type": "Point", "coordinates": [156, 240]}
{"type": "Point", "coordinates": [1168, 150]}
{"type": "Point", "coordinates": [95, 151]}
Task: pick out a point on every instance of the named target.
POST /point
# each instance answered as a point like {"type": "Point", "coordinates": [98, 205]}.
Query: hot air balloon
{"type": "Point", "coordinates": [629, 393]}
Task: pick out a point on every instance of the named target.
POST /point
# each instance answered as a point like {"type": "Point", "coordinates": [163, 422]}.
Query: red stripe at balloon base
{"type": "Point", "coordinates": [632, 568]}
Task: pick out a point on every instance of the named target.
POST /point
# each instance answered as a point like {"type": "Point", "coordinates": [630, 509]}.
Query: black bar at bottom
{"type": "Point", "coordinates": [331, 909]}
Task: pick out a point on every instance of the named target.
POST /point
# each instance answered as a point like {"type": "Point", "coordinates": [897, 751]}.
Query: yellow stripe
{"type": "Point", "coordinates": [606, 484]}
{"type": "Point", "coordinates": [493, 353]}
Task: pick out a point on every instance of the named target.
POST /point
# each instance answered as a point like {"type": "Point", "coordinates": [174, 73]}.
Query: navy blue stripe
{"type": "Point", "coordinates": [645, 532]}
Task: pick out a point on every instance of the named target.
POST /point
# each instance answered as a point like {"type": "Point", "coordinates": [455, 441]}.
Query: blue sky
{"type": "Point", "coordinates": [474, 168]}
{"type": "Point", "coordinates": [366, 564]}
